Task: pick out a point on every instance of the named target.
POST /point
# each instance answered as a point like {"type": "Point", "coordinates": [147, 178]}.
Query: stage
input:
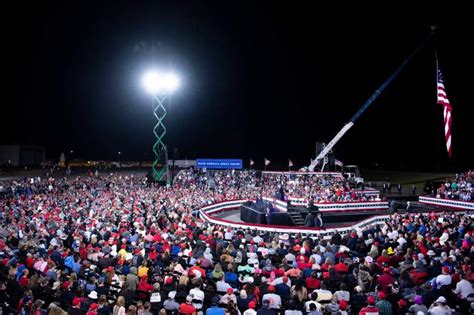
{"type": "Point", "coordinates": [273, 212]}
{"type": "Point", "coordinates": [228, 214]}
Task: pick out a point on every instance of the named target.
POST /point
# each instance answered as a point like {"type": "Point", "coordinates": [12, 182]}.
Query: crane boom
{"type": "Point", "coordinates": [372, 98]}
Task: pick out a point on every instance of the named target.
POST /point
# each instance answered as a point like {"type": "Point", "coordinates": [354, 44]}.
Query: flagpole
{"type": "Point", "coordinates": [437, 123]}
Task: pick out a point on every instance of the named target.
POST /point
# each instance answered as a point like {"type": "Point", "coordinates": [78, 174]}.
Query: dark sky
{"type": "Point", "coordinates": [258, 81]}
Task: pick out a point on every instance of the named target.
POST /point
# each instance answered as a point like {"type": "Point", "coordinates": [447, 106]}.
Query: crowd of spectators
{"type": "Point", "coordinates": [118, 245]}
{"type": "Point", "coordinates": [459, 188]}
{"type": "Point", "coordinates": [315, 187]}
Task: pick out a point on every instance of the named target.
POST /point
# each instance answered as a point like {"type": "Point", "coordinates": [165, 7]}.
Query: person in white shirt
{"type": "Point", "coordinates": [275, 299]}
{"type": "Point", "coordinates": [251, 309]}
{"type": "Point", "coordinates": [463, 287]}
{"type": "Point", "coordinates": [229, 234]}
{"type": "Point", "coordinates": [343, 293]}
{"type": "Point", "coordinates": [314, 298]}
{"type": "Point", "coordinates": [444, 278]}
{"type": "Point", "coordinates": [439, 307]}
{"type": "Point", "coordinates": [222, 286]}
{"type": "Point", "coordinates": [401, 240]}
{"type": "Point", "coordinates": [198, 297]}
{"type": "Point", "coordinates": [290, 258]}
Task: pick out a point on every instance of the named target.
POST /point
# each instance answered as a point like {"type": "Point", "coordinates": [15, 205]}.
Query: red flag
{"type": "Point", "coordinates": [447, 109]}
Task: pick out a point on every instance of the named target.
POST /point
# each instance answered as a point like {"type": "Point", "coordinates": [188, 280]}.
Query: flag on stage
{"type": "Point", "coordinates": [267, 162]}
{"type": "Point", "coordinates": [447, 109]}
{"type": "Point", "coordinates": [338, 163]}
{"type": "Point", "coordinates": [290, 164]}
{"type": "Point", "coordinates": [252, 162]}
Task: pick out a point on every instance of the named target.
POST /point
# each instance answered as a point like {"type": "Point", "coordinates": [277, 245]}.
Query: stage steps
{"type": "Point", "coordinates": [296, 217]}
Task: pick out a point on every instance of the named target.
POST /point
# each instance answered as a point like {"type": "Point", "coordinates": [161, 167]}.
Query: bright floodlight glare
{"type": "Point", "coordinates": [156, 82]}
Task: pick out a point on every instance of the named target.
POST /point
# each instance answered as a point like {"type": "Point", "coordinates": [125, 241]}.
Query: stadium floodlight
{"type": "Point", "coordinates": [160, 85]}
{"type": "Point", "coordinates": [156, 82]}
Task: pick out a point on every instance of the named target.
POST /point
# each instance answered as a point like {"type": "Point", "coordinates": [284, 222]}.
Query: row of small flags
{"type": "Point", "coordinates": [290, 163]}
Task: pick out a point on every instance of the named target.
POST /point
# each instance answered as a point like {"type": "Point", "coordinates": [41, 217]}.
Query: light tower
{"type": "Point", "coordinates": [160, 85]}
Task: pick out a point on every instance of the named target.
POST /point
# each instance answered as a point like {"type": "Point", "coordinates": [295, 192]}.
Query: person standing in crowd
{"type": "Point", "coordinates": [408, 208]}
{"type": "Point", "coordinates": [370, 309]}
{"type": "Point", "coordinates": [385, 307]}
{"type": "Point", "coordinates": [309, 220]}
{"type": "Point", "coordinates": [439, 307]}
{"type": "Point", "coordinates": [418, 306]}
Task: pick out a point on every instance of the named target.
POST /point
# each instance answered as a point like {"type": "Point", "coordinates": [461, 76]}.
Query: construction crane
{"type": "Point", "coordinates": [374, 96]}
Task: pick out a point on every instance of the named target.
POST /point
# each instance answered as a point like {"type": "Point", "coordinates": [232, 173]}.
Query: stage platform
{"type": "Point", "coordinates": [227, 214]}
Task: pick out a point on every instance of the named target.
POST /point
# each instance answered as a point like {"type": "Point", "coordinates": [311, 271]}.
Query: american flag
{"type": "Point", "coordinates": [447, 111]}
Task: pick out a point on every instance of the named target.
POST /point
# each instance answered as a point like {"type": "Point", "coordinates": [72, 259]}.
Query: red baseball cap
{"type": "Point", "coordinates": [230, 291]}
{"type": "Point", "coordinates": [169, 280]}
{"type": "Point", "coordinates": [271, 289]}
{"type": "Point", "coordinates": [402, 302]}
{"type": "Point", "coordinates": [76, 301]}
{"type": "Point", "coordinates": [252, 304]}
{"type": "Point", "coordinates": [382, 295]}
{"type": "Point", "coordinates": [371, 299]}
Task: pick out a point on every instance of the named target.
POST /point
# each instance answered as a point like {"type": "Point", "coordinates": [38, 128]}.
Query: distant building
{"type": "Point", "coordinates": [22, 155]}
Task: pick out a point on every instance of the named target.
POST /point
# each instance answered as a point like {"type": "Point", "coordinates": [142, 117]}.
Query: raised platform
{"type": "Point", "coordinates": [448, 203]}
{"type": "Point", "coordinates": [340, 207]}
{"type": "Point", "coordinates": [214, 214]}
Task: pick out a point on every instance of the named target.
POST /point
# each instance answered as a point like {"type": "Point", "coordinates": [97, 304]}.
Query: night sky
{"type": "Point", "coordinates": [258, 81]}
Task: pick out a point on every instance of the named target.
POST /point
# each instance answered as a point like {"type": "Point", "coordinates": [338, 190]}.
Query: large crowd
{"type": "Point", "coordinates": [314, 187]}
{"type": "Point", "coordinates": [120, 245]}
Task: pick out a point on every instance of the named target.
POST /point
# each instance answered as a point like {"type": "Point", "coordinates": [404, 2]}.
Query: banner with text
{"type": "Point", "coordinates": [219, 163]}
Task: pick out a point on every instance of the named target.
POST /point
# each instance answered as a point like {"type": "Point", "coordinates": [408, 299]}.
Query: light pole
{"type": "Point", "coordinates": [160, 85]}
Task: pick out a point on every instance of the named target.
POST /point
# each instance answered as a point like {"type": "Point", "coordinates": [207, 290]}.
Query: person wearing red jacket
{"type": "Point", "coordinates": [313, 283]}
{"type": "Point", "coordinates": [153, 254]}
{"type": "Point", "coordinates": [144, 285]}
{"type": "Point", "coordinates": [341, 267]}
{"type": "Point", "coordinates": [385, 279]}
{"type": "Point", "coordinates": [384, 258]}
{"type": "Point", "coordinates": [197, 268]}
